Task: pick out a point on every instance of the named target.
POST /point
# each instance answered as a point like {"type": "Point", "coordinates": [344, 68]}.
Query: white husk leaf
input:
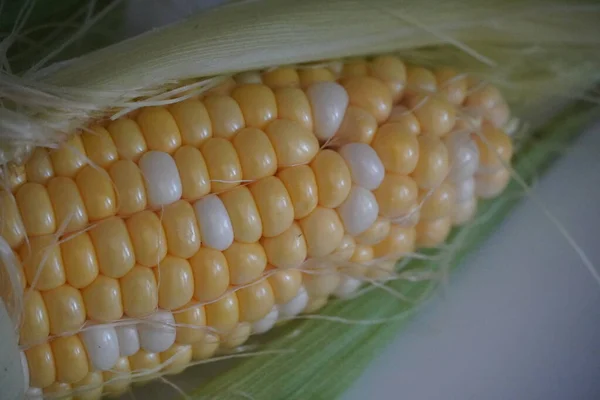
{"type": "Point", "coordinates": [43, 106]}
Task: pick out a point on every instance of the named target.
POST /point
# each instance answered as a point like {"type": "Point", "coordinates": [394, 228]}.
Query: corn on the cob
{"type": "Point", "coordinates": [157, 239]}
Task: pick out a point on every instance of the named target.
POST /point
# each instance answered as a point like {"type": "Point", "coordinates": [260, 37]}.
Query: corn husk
{"type": "Point", "coordinates": [538, 51]}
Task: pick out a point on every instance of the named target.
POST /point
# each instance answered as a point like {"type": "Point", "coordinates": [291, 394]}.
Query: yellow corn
{"type": "Point", "coordinates": [198, 224]}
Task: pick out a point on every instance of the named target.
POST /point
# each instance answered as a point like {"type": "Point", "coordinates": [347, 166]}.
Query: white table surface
{"type": "Point", "coordinates": [521, 318]}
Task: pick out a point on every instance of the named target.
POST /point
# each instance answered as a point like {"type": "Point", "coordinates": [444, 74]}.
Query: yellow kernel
{"type": "Point", "coordinates": [323, 231]}
{"type": "Point", "coordinates": [358, 126]}
{"type": "Point", "coordinates": [175, 282]}
{"type": "Point", "coordinates": [397, 148]}
{"type": "Point", "coordinates": [193, 121]}
{"type": "Point", "coordinates": [66, 310]}
{"type": "Point", "coordinates": [255, 301]}
{"type": "Point", "coordinates": [139, 291]}
{"type": "Point", "coordinates": [256, 153]}
{"type": "Point", "coordinates": [281, 77]}
{"type": "Point", "coordinates": [244, 215]}
{"type": "Point", "coordinates": [392, 71]}
{"type": "Point", "coordinates": [103, 299]}
{"type": "Point", "coordinates": [433, 165]}
{"type": "Point", "coordinates": [396, 196]}
{"type": "Point", "coordinates": [69, 158]}
{"type": "Point", "coordinates": [433, 233]}
{"type": "Point", "coordinates": [293, 143]}
{"type": "Point", "coordinates": [399, 241]}
{"type": "Point", "coordinates": [285, 284]}
{"type": "Point", "coordinates": [225, 115]}
{"type": "Point", "coordinates": [257, 103]}
{"type": "Point", "coordinates": [370, 94]}
{"type": "Point", "coordinates": [333, 178]}
{"type": "Point", "coordinates": [36, 209]}
{"type": "Point", "coordinates": [97, 191]}
{"type": "Point", "coordinates": [286, 250]}
{"type": "Point", "coordinates": [309, 75]}
{"type": "Point", "coordinates": [159, 129]}
{"type": "Point", "coordinates": [437, 203]}
{"type": "Point", "coordinates": [301, 185]}
{"type": "Point", "coordinates": [293, 105]}
{"type": "Point", "coordinates": [128, 137]}
{"type": "Point", "coordinates": [246, 262]}
{"type": "Point", "coordinates": [274, 205]}
{"type": "Point", "coordinates": [99, 146]}
{"type": "Point", "coordinates": [211, 274]}
{"type": "Point", "coordinates": [223, 163]}
{"type": "Point", "coordinates": [70, 358]}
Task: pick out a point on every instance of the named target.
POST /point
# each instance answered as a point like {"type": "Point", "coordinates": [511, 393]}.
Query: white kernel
{"type": "Point", "coordinates": [328, 101]}
{"type": "Point", "coordinates": [163, 182]}
{"type": "Point", "coordinates": [359, 211]}
{"type": "Point", "coordinates": [464, 211]}
{"type": "Point", "coordinates": [347, 286]}
{"type": "Point", "coordinates": [216, 229]}
{"type": "Point", "coordinates": [295, 306]}
{"type": "Point", "coordinates": [157, 332]}
{"type": "Point", "coordinates": [102, 346]}
{"type": "Point", "coordinates": [463, 155]}
{"type": "Point", "coordinates": [267, 322]}
{"type": "Point", "coordinates": [365, 166]}
{"type": "Point", "coordinates": [465, 189]}
{"type": "Point", "coordinates": [129, 340]}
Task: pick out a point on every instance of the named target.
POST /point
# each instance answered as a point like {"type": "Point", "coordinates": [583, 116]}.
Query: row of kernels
{"type": "Point", "coordinates": [92, 196]}
{"type": "Point", "coordinates": [65, 360]}
{"type": "Point", "coordinates": [367, 96]}
{"type": "Point", "coordinates": [75, 202]}
{"type": "Point", "coordinates": [65, 309]}
{"type": "Point", "coordinates": [343, 272]}
{"type": "Point", "coordinates": [247, 304]}
{"type": "Point", "coordinates": [68, 160]}
{"type": "Point", "coordinates": [205, 276]}
{"type": "Point", "coordinates": [186, 123]}
{"type": "Point", "coordinates": [464, 149]}
{"type": "Point", "coordinates": [374, 262]}
{"type": "Point", "coordinates": [329, 92]}
{"type": "Point", "coordinates": [162, 184]}
{"type": "Point", "coordinates": [464, 162]}
{"type": "Point", "coordinates": [144, 365]}
{"type": "Point", "coordinates": [353, 261]}
{"type": "Point", "coordinates": [103, 344]}
{"type": "Point", "coordinates": [62, 369]}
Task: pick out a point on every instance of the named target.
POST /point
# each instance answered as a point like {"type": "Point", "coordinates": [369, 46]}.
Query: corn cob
{"type": "Point", "coordinates": [173, 233]}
